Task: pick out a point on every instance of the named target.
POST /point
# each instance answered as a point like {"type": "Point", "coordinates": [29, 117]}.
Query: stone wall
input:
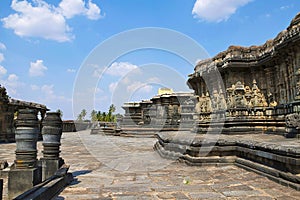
{"type": "Point", "coordinates": [6, 117]}
{"type": "Point", "coordinates": [8, 108]}
{"type": "Point", "coordinates": [161, 111]}
{"type": "Point", "coordinates": [253, 79]}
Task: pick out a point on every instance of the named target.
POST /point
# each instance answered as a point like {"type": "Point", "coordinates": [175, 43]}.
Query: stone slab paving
{"type": "Point", "coordinates": [108, 167]}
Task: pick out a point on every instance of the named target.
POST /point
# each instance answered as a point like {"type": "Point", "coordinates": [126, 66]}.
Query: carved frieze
{"type": "Point", "coordinates": [293, 120]}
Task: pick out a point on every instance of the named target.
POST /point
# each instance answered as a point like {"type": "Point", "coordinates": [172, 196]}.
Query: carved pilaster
{"type": "Point", "coordinates": [269, 75]}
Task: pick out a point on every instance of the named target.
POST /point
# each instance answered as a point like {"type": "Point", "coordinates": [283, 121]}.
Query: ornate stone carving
{"type": "Point", "coordinates": [240, 96]}
{"type": "Point", "coordinates": [293, 120]}
{"type": "Point", "coordinates": [273, 94]}
{"type": "Point", "coordinates": [272, 102]}
{"type": "Point", "coordinates": [258, 99]}
{"type": "Point", "coordinates": [298, 89]}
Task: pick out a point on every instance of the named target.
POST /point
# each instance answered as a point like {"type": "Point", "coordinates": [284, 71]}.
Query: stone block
{"type": "Point", "coordinates": [49, 167]}
{"type": "Point", "coordinates": [21, 180]}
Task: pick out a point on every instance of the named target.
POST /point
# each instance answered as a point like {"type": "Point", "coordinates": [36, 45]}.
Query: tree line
{"type": "Point", "coordinates": [99, 116]}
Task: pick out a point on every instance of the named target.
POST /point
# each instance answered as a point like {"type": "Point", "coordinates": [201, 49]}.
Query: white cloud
{"type": "Point", "coordinates": [139, 86]}
{"type": "Point", "coordinates": [50, 96]}
{"type": "Point", "coordinates": [286, 7]}
{"type": "Point", "coordinates": [268, 15]}
{"type": "Point", "coordinates": [155, 80]}
{"type": "Point", "coordinates": [93, 11]}
{"type": "Point", "coordinates": [216, 10]}
{"type": "Point", "coordinates": [34, 87]}
{"type": "Point", "coordinates": [37, 68]}
{"type": "Point", "coordinates": [2, 46]}
{"type": "Point", "coordinates": [13, 78]}
{"type": "Point", "coordinates": [2, 70]}
{"type": "Point", "coordinates": [71, 8]}
{"type": "Point", "coordinates": [12, 84]}
{"type": "Point", "coordinates": [1, 57]}
{"type": "Point", "coordinates": [126, 80]}
{"type": "Point", "coordinates": [48, 90]}
{"type": "Point", "coordinates": [71, 70]}
{"type": "Point", "coordinates": [40, 19]}
{"type": "Point", "coordinates": [97, 70]}
{"type": "Point", "coordinates": [112, 86]}
{"type": "Point", "coordinates": [120, 68]}
{"type": "Point", "coordinates": [98, 90]}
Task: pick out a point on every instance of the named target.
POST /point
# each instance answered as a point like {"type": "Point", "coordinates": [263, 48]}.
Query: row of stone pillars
{"type": "Point", "coordinates": [27, 170]}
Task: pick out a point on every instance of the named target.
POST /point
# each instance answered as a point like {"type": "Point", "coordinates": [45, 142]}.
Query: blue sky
{"type": "Point", "coordinates": [44, 43]}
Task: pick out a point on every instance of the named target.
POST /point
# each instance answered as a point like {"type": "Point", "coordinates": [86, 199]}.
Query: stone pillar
{"type": "Point", "coordinates": [51, 132]}
{"type": "Point", "coordinates": [24, 173]}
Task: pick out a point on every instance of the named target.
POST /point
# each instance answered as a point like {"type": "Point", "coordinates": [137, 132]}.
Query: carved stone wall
{"type": "Point", "coordinates": [8, 107]}
{"type": "Point", "coordinates": [161, 111]}
{"type": "Point", "coordinates": [275, 66]}
{"type": "Point", "coordinates": [266, 76]}
{"type": "Point", "coordinates": [6, 117]}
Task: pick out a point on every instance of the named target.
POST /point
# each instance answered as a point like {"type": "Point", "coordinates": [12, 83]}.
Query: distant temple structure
{"type": "Point", "coordinates": [260, 86]}
{"type": "Point", "coordinates": [8, 108]}
{"type": "Point", "coordinates": [168, 109]}
{"type": "Point", "coordinates": [241, 90]}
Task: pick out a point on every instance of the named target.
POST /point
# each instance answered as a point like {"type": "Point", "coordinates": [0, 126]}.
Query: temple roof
{"type": "Point", "coordinates": [254, 54]}
{"type": "Point", "coordinates": [25, 104]}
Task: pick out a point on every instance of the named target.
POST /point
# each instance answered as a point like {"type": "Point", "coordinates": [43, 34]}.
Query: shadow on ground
{"type": "Point", "coordinates": [78, 173]}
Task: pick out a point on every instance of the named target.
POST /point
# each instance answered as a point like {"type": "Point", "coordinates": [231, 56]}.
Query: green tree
{"type": "Point", "coordinates": [82, 115]}
{"type": "Point", "coordinates": [99, 115]}
{"type": "Point", "coordinates": [110, 116]}
{"type": "Point", "coordinates": [112, 108]}
{"type": "Point", "coordinates": [60, 112]}
{"type": "Point", "coordinates": [79, 117]}
{"type": "Point", "coordinates": [103, 116]}
{"type": "Point", "coordinates": [94, 116]}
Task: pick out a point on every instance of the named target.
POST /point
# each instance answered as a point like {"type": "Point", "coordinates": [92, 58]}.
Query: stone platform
{"type": "Point", "coordinates": [273, 156]}
{"type": "Point", "coordinates": [108, 167]}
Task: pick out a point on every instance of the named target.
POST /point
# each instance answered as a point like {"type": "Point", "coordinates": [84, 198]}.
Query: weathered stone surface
{"type": "Point", "coordinates": [3, 164]}
{"type": "Point", "coordinates": [276, 157]}
{"type": "Point", "coordinates": [21, 180]}
{"type": "Point", "coordinates": [95, 180]}
{"type": "Point", "coordinates": [258, 86]}
{"type": "Point", "coordinates": [165, 111]}
{"type": "Point", "coordinates": [8, 107]}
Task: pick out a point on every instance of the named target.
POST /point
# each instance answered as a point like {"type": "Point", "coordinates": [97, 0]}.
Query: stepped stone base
{"type": "Point", "coordinates": [273, 156]}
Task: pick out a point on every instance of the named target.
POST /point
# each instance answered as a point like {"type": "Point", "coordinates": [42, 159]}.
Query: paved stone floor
{"type": "Point", "coordinates": [107, 167]}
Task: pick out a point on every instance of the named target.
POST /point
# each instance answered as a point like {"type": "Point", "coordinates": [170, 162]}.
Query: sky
{"type": "Point", "coordinates": [70, 54]}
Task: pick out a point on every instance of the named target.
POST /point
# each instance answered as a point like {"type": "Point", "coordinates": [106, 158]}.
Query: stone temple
{"type": "Point", "coordinates": [244, 113]}
{"type": "Point", "coordinates": [247, 110]}
{"type": "Point", "coordinates": [243, 89]}
{"type": "Point", "coordinates": [8, 109]}
{"type": "Point", "coordinates": [168, 110]}
{"type": "Point", "coordinates": [259, 86]}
